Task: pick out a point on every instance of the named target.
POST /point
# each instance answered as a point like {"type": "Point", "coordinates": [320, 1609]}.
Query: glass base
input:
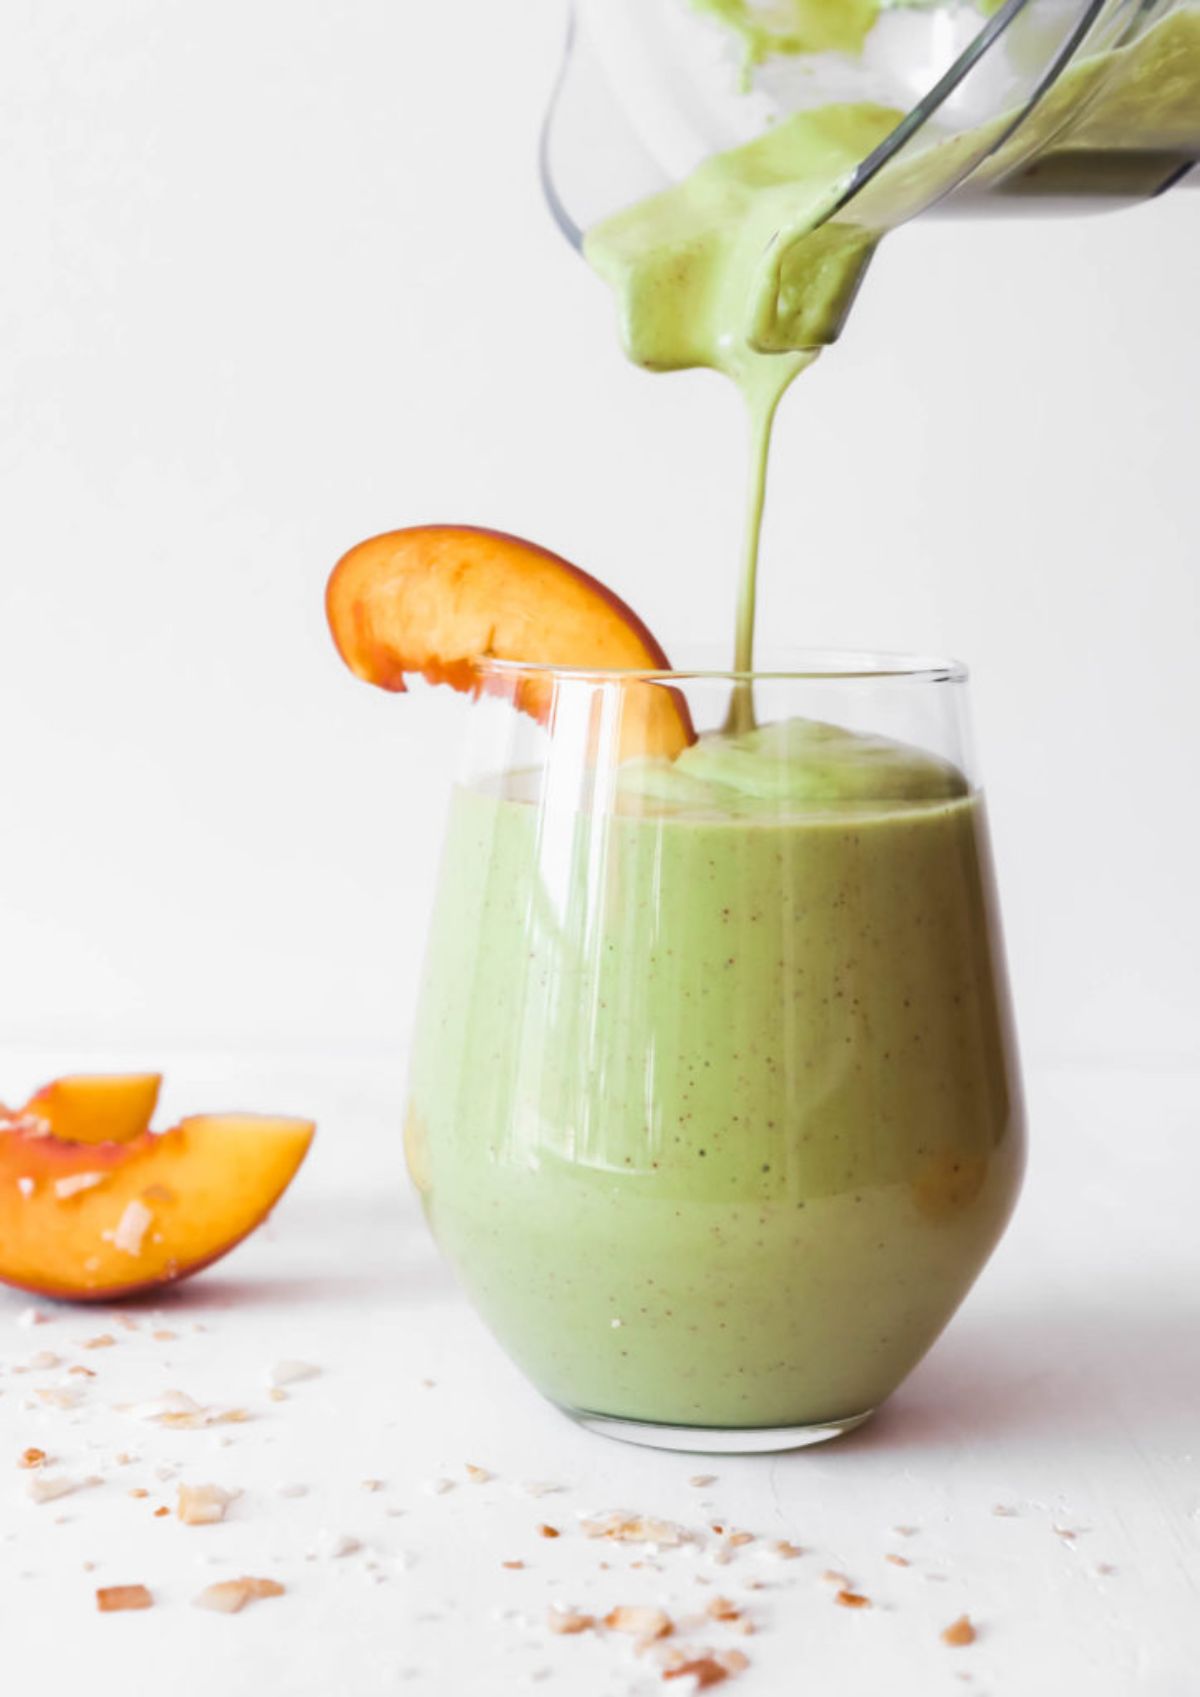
{"type": "Point", "coordinates": [717, 1440]}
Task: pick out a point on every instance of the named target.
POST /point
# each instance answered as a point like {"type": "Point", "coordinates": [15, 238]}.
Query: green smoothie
{"type": "Point", "coordinates": [711, 1099]}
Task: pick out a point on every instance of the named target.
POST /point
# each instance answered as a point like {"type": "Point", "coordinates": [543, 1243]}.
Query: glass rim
{"type": "Point", "coordinates": [805, 665]}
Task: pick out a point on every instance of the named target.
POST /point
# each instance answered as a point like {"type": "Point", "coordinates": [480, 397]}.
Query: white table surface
{"type": "Point", "coordinates": [1067, 1391]}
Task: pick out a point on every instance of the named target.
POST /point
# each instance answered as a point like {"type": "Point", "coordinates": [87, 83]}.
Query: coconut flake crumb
{"type": "Point", "coordinates": [203, 1505]}
{"type": "Point", "coordinates": [32, 1457]}
{"type": "Point", "coordinates": [104, 1340]}
{"type": "Point", "coordinates": [43, 1360]}
{"type": "Point", "coordinates": [132, 1227]}
{"type": "Point", "coordinates": [1004, 1511]}
{"type": "Point", "coordinates": [636, 1529]}
{"type": "Point", "coordinates": [74, 1183]}
{"type": "Point", "coordinates": [564, 1622]}
{"type": "Point", "coordinates": [292, 1372]}
{"type": "Point", "coordinates": [26, 1186]}
{"type": "Point", "coordinates": [477, 1475]}
{"type": "Point", "coordinates": [30, 1317]}
{"type": "Point", "coordinates": [724, 1609]}
{"type": "Point", "coordinates": [292, 1491]}
{"type": "Point", "coordinates": [959, 1633]}
{"type": "Point", "coordinates": [114, 1599]}
{"type": "Point", "coordinates": [852, 1600]}
{"type": "Point", "coordinates": [699, 1480]}
{"type": "Point", "coordinates": [707, 1670]}
{"type": "Point", "coordinates": [61, 1396]}
{"type": "Point", "coordinates": [897, 1561]}
{"type": "Point", "coordinates": [229, 1596]}
{"type": "Point", "coordinates": [438, 1487]}
{"type": "Point", "coordinates": [47, 1488]}
{"type": "Point", "coordinates": [640, 1621]}
{"type": "Point", "coordinates": [906, 1531]}
{"type": "Point", "coordinates": [541, 1488]}
{"type": "Point", "coordinates": [372, 1484]}
{"type": "Point", "coordinates": [178, 1410]}
{"type": "Point", "coordinates": [785, 1550]}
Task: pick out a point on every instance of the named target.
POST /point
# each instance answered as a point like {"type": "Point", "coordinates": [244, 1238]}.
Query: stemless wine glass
{"type": "Point", "coordinates": [714, 1099]}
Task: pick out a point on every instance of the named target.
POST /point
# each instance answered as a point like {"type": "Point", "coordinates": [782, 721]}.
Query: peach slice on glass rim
{"type": "Point", "coordinates": [439, 601]}
{"type": "Point", "coordinates": [87, 1220]}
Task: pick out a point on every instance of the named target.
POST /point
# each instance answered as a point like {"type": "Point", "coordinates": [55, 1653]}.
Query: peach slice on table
{"type": "Point", "coordinates": [84, 1220]}
{"type": "Point", "coordinates": [98, 1107]}
{"type": "Point", "coordinates": [438, 601]}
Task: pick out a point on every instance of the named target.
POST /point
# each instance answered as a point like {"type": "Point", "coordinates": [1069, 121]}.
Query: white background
{"type": "Point", "coordinates": [278, 275]}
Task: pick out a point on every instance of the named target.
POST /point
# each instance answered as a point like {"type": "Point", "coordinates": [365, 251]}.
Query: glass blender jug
{"type": "Point", "coordinates": [1058, 105]}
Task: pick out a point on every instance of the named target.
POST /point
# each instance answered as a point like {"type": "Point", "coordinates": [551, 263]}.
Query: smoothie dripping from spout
{"type": "Point", "coordinates": [740, 269]}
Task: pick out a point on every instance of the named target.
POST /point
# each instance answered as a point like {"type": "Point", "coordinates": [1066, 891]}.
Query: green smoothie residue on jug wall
{"type": "Point", "coordinates": [747, 267]}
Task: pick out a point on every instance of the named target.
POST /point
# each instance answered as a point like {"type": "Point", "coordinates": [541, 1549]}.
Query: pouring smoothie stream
{"type": "Point", "coordinates": [714, 1103]}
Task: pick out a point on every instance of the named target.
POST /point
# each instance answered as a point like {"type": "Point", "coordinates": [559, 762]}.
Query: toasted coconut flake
{"type": "Point", "coordinates": [43, 1360]}
{"type": "Point", "coordinates": [906, 1531]}
{"type": "Point", "coordinates": [513, 1566]}
{"type": "Point", "coordinates": [229, 1596]}
{"type": "Point", "coordinates": [104, 1340]}
{"type": "Point", "coordinates": [784, 1550]}
{"type": "Point", "coordinates": [959, 1633]}
{"type": "Point", "coordinates": [545, 1531]}
{"type": "Point", "coordinates": [203, 1505]}
{"type": "Point", "coordinates": [171, 1405]}
{"type": "Point", "coordinates": [705, 1670]}
{"type": "Point", "coordinates": [61, 1396]}
{"type": "Point", "coordinates": [139, 1491]}
{"type": "Point", "coordinates": [47, 1488]}
{"type": "Point", "coordinates": [832, 1577]}
{"type": "Point", "coordinates": [639, 1620]}
{"type": "Point", "coordinates": [852, 1600]}
{"type": "Point", "coordinates": [477, 1475]}
{"type": "Point", "coordinates": [438, 1487]}
{"type": "Point", "coordinates": [115, 1599]}
{"type": "Point", "coordinates": [699, 1480]}
{"type": "Point", "coordinates": [163, 1335]}
{"type": "Point", "coordinates": [78, 1372]}
{"type": "Point", "coordinates": [567, 1622]}
{"type": "Point", "coordinates": [75, 1183]}
{"type": "Point", "coordinates": [181, 1412]}
{"type": "Point", "coordinates": [277, 1394]}
{"type": "Point", "coordinates": [636, 1529]}
{"type": "Point", "coordinates": [292, 1372]}
{"type": "Point", "coordinates": [372, 1484]}
{"type": "Point", "coordinates": [722, 1608]}
{"type": "Point", "coordinates": [541, 1488]}
{"type": "Point", "coordinates": [132, 1227]}
{"type": "Point", "coordinates": [897, 1561]}
{"type": "Point", "coordinates": [32, 1457]}
{"type": "Point", "coordinates": [161, 1512]}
